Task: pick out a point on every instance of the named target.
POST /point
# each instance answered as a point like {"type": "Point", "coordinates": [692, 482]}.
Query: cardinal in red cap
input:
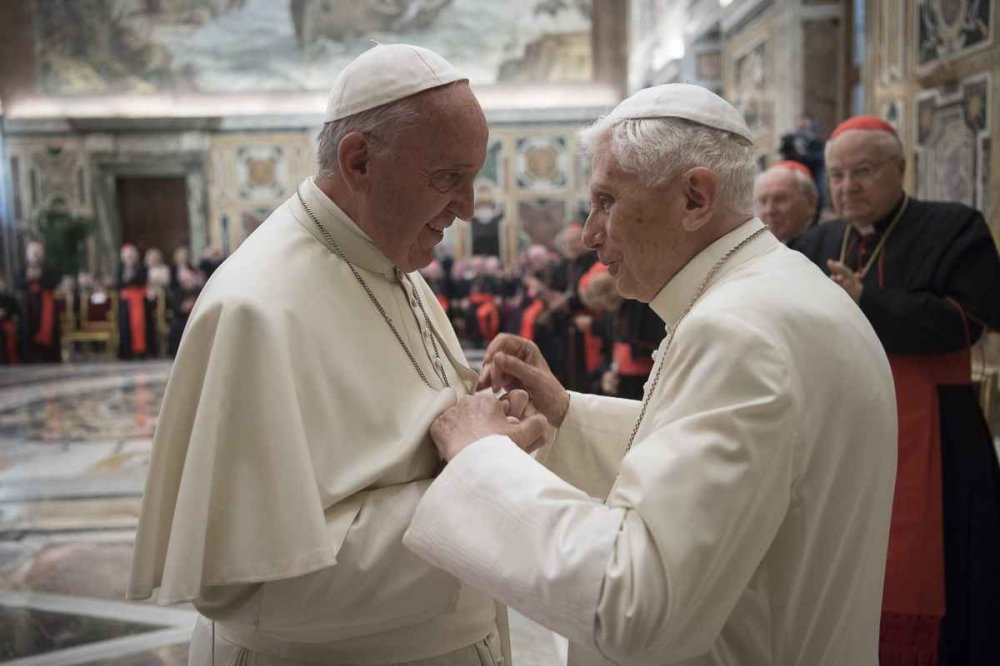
{"type": "Point", "coordinates": [926, 275]}
{"type": "Point", "coordinates": [785, 198]}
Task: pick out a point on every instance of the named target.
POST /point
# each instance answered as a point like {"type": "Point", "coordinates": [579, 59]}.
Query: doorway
{"type": "Point", "coordinates": [154, 212]}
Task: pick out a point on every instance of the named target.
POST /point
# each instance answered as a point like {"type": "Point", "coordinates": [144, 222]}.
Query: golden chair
{"type": "Point", "coordinates": [102, 330]}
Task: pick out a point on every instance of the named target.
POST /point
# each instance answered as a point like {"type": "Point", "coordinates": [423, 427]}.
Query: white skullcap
{"type": "Point", "coordinates": [386, 73]}
{"type": "Point", "coordinates": [683, 100]}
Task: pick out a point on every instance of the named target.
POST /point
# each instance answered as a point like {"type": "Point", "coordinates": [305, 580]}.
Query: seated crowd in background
{"type": "Point", "coordinates": [140, 314]}
{"type": "Point", "coordinates": [563, 300]}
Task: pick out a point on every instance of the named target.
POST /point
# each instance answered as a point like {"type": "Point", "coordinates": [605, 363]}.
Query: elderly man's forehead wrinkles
{"type": "Point", "coordinates": [854, 153]}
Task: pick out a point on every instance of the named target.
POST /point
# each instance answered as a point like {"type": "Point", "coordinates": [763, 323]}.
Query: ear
{"type": "Point", "coordinates": [700, 186]}
{"type": "Point", "coordinates": [353, 157]}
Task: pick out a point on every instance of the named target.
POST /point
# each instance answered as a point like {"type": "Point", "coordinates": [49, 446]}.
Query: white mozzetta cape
{"type": "Point", "coordinates": [749, 523]}
{"type": "Point", "coordinates": [292, 449]}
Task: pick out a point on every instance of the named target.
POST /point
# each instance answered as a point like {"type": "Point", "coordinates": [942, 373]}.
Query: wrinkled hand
{"type": "Point", "coordinates": [481, 415]}
{"type": "Point", "coordinates": [846, 278]}
{"type": "Point", "coordinates": [511, 362]}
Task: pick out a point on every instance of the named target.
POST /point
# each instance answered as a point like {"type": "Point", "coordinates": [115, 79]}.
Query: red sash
{"type": "Point", "coordinates": [136, 299]}
{"type": "Point", "coordinates": [46, 323]}
{"type": "Point", "coordinates": [487, 315]}
{"type": "Point", "coordinates": [914, 602]}
{"type": "Point", "coordinates": [10, 330]}
{"type": "Point", "coordinates": [628, 365]}
{"type": "Point", "coordinates": [592, 350]}
{"type": "Point", "coordinates": [528, 318]}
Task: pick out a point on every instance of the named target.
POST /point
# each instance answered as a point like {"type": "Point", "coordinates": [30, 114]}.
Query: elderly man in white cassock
{"type": "Point", "coordinates": [293, 446]}
{"type": "Point", "coordinates": [739, 514]}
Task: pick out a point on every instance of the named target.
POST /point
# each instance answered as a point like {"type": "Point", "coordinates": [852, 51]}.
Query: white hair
{"type": "Point", "coordinates": [659, 149]}
{"type": "Point", "coordinates": [806, 184]}
{"type": "Point", "coordinates": [381, 126]}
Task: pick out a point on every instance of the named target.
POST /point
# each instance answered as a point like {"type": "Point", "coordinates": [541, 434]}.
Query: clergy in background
{"type": "Point", "coordinates": [39, 323]}
{"type": "Point", "coordinates": [785, 197]}
{"type": "Point", "coordinates": [292, 447]}
{"type": "Point", "coordinates": [133, 340]}
{"type": "Point", "coordinates": [927, 277]}
{"type": "Point", "coordinates": [738, 515]}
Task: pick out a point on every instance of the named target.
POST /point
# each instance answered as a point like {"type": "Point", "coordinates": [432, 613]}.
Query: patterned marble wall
{"type": "Point", "coordinates": [249, 176]}
{"type": "Point", "coordinates": [937, 82]}
{"type": "Point", "coordinates": [45, 169]}
{"type": "Point", "coordinates": [534, 182]}
{"type": "Point", "coordinates": [952, 150]}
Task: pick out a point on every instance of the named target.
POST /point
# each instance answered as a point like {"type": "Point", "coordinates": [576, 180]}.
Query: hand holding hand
{"type": "Point", "coordinates": [481, 415]}
{"type": "Point", "coordinates": [511, 362]}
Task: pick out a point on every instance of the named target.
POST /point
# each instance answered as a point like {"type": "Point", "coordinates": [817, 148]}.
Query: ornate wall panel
{"type": "Point", "coordinates": [950, 29]}
{"type": "Point", "coordinates": [43, 170]}
{"type": "Point", "coordinates": [953, 143]}
{"type": "Point", "coordinates": [251, 175]}
{"type": "Point", "coordinates": [542, 163]}
{"type": "Point", "coordinates": [534, 181]}
{"type": "Point", "coordinates": [893, 112]}
{"type": "Point", "coordinates": [753, 88]}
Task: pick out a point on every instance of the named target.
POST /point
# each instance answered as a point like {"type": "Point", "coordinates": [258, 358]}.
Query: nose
{"type": "Point", "coordinates": [593, 232]}
{"type": "Point", "coordinates": [463, 206]}
{"type": "Point", "coordinates": [850, 182]}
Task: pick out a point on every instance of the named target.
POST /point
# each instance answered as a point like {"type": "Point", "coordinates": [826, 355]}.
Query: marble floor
{"type": "Point", "coordinates": [74, 448]}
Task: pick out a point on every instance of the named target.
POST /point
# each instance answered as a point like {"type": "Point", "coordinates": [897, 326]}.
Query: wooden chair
{"type": "Point", "coordinates": [97, 323]}
{"type": "Point", "coordinates": [162, 322]}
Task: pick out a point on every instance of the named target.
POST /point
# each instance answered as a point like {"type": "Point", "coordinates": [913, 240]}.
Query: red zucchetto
{"type": "Point", "coordinates": [863, 123]}
{"type": "Point", "coordinates": [792, 164]}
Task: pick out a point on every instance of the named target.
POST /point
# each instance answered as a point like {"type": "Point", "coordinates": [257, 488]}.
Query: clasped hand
{"type": "Point", "coordinates": [534, 398]}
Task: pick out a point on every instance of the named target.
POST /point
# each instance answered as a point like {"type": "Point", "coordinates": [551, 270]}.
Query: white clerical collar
{"type": "Point", "coordinates": [357, 246]}
{"type": "Point", "coordinates": [671, 302]}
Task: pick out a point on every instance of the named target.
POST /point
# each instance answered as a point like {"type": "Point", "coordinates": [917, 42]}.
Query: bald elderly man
{"type": "Point", "coordinates": [785, 198]}
{"type": "Point", "coordinates": [738, 516]}
{"type": "Point", "coordinates": [927, 276]}
{"type": "Point", "coordinates": [292, 446]}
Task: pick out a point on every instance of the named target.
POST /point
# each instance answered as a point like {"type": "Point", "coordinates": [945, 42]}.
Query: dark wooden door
{"type": "Point", "coordinates": [154, 213]}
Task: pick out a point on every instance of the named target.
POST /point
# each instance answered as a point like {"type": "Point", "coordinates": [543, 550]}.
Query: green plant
{"type": "Point", "coordinates": [64, 235]}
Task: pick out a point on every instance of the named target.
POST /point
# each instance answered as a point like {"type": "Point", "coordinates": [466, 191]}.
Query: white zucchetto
{"type": "Point", "coordinates": [386, 73]}
{"type": "Point", "coordinates": [683, 100]}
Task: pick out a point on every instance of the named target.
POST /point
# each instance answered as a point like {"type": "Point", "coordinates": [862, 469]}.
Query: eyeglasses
{"type": "Point", "coordinates": [862, 173]}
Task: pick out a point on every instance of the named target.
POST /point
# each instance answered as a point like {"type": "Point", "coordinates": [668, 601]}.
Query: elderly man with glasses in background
{"type": "Point", "coordinates": [926, 274]}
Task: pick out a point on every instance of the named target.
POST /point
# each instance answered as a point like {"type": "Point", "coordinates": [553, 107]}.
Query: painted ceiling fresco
{"type": "Point", "coordinates": [137, 46]}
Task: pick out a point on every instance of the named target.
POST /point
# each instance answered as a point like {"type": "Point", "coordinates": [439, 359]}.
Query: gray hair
{"type": "Point", "coordinates": [381, 126]}
{"type": "Point", "coordinates": [806, 184]}
{"type": "Point", "coordinates": [659, 149]}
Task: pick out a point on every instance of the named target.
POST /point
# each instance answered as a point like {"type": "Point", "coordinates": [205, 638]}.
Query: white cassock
{"type": "Point", "coordinates": [291, 452]}
{"type": "Point", "coordinates": [749, 523]}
